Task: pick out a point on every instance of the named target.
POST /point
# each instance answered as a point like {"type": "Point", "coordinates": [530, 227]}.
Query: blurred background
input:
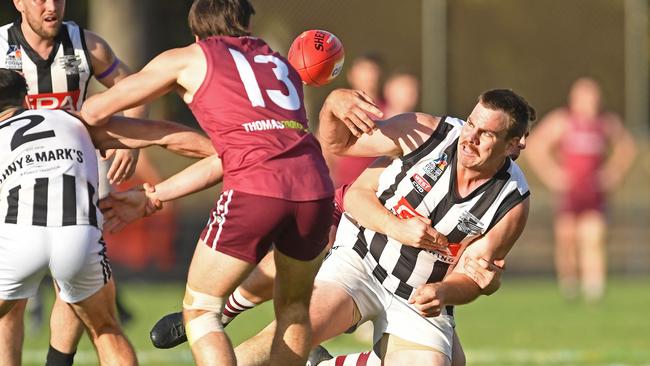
{"type": "Point", "coordinates": [454, 49]}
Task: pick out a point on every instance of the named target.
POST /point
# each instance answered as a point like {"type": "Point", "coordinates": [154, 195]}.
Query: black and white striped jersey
{"type": "Point", "coordinates": [422, 183]}
{"type": "Point", "coordinates": [48, 170]}
{"type": "Point", "coordinates": [58, 82]}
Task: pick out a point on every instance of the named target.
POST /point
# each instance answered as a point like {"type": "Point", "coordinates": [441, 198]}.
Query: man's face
{"type": "Point", "coordinates": [44, 17]}
{"type": "Point", "coordinates": [482, 141]}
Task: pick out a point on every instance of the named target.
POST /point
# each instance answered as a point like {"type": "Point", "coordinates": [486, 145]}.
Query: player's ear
{"type": "Point", "coordinates": [26, 102]}
{"type": "Point", "coordinates": [196, 38]}
{"type": "Point", "coordinates": [19, 5]}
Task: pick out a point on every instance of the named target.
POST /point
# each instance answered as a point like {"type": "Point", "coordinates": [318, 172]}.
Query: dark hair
{"type": "Point", "coordinates": [371, 57]}
{"type": "Point", "coordinates": [13, 89]}
{"type": "Point", "coordinates": [220, 18]}
{"type": "Point", "coordinates": [519, 112]}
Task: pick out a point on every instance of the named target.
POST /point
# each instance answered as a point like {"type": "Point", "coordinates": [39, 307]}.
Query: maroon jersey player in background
{"type": "Point", "coordinates": [276, 186]}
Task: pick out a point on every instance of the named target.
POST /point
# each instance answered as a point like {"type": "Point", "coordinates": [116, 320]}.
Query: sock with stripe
{"type": "Point", "coordinates": [58, 358]}
{"type": "Point", "coordinates": [356, 359]}
{"type": "Point", "coordinates": [235, 305]}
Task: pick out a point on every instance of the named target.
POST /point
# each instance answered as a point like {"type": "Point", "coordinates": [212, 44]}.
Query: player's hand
{"type": "Point", "coordinates": [123, 208]}
{"type": "Point", "coordinates": [429, 299]}
{"type": "Point", "coordinates": [417, 232]}
{"type": "Point", "coordinates": [123, 166]}
{"type": "Point", "coordinates": [355, 109]}
{"type": "Point", "coordinates": [487, 275]}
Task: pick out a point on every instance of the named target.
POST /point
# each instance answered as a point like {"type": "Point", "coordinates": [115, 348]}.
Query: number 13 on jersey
{"type": "Point", "coordinates": [281, 71]}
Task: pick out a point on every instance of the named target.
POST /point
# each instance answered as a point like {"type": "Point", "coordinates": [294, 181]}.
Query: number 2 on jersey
{"type": "Point", "coordinates": [21, 137]}
{"type": "Point", "coordinates": [290, 102]}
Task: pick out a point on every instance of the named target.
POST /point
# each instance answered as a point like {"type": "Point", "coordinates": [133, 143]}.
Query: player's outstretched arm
{"type": "Point", "coordinates": [347, 127]}
{"type": "Point", "coordinates": [122, 208]}
{"type": "Point", "coordinates": [459, 288]}
{"type": "Point", "coordinates": [157, 78]}
{"type": "Point", "coordinates": [124, 132]}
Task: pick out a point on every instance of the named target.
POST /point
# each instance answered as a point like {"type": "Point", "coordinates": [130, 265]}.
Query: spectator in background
{"type": "Point", "coordinates": [364, 74]}
{"type": "Point", "coordinates": [581, 153]}
{"type": "Point", "coordinates": [401, 94]}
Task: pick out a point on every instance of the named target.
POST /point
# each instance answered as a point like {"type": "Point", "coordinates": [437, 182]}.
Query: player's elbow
{"type": "Point", "coordinates": [93, 115]}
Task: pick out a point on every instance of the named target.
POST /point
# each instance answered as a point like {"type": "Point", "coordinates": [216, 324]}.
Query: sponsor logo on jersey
{"type": "Point", "coordinates": [404, 210]}
{"type": "Point", "coordinates": [470, 224]}
{"type": "Point", "coordinates": [66, 100]}
{"type": "Point", "coordinates": [11, 169]}
{"type": "Point", "coordinates": [271, 124]}
{"type": "Point", "coordinates": [14, 58]}
{"type": "Point", "coordinates": [70, 63]}
{"type": "Point", "coordinates": [435, 168]}
{"type": "Point", "coordinates": [447, 255]}
{"type": "Point", "coordinates": [420, 184]}
{"type": "Point", "coordinates": [33, 158]}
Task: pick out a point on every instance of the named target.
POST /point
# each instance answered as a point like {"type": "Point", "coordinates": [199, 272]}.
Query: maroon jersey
{"type": "Point", "coordinates": [583, 150]}
{"type": "Point", "coordinates": [251, 106]}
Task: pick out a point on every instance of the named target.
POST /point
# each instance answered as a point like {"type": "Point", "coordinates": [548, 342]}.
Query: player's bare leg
{"type": "Point", "coordinates": [99, 316]}
{"type": "Point", "coordinates": [12, 331]}
{"type": "Point", "coordinates": [566, 256]}
{"type": "Point", "coordinates": [331, 312]}
{"type": "Point", "coordinates": [398, 351]}
{"type": "Point", "coordinates": [258, 286]}
{"type": "Point", "coordinates": [212, 276]}
{"type": "Point", "coordinates": [592, 234]}
{"type": "Point", "coordinates": [457, 352]}
{"type": "Point", "coordinates": [66, 328]}
{"type": "Point", "coordinates": [294, 283]}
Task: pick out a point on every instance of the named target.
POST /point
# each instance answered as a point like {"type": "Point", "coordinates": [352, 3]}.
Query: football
{"type": "Point", "coordinates": [318, 57]}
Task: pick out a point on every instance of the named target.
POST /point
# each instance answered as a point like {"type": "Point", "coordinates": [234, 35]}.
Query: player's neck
{"type": "Point", "coordinates": [42, 46]}
{"type": "Point", "coordinates": [8, 113]}
{"type": "Point", "coordinates": [468, 179]}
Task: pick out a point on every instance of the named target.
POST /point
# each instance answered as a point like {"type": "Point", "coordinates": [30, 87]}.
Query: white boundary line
{"type": "Point", "coordinates": [474, 357]}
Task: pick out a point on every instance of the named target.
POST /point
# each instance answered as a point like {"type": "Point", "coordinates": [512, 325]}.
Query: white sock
{"type": "Point", "coordinates": [235, 305]}
{"type": "Point", "coordinates": [356, 359]}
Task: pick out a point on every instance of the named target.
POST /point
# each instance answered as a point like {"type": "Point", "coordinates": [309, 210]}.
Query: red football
{"type": "Point", "coordinates": [318, 56]}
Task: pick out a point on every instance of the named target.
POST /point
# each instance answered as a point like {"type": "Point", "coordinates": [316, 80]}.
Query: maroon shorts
{"type": "Point", "coordinates": [580, 201]}
{"type": "Point", "coordinates": [244, 225]}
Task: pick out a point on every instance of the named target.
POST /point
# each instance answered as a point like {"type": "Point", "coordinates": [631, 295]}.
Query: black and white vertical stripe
{"type": "Point", "coordinates": [55, 201]}
{"type": "Point", "coordinates": [49, 75]}
{"type": "Point", "coordinates": [401, 268]}
{"type": "Point", "coordinates": [107, 273]}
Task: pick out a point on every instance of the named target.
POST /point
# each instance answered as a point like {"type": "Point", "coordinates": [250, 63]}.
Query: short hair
{"type": "Point", "coordinates": [371, 57]}
{"type": "Point", "coordinates": [209, 18]}
{"type": "Point", "coordinates": [13, 89]}
{"type": "Point", "coordinates": [519, 112]}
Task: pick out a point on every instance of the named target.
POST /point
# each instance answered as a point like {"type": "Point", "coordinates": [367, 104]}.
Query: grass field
{"type": "Point", "coordinates": [525, 323]}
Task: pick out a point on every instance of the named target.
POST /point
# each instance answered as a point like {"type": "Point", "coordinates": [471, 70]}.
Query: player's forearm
{"type": "Point", "coordinates": [366, 209]}
{"type": "Point", "coordinates": [131, 133]}
{"type": "Point", "coordinates": [203, 174]}
{"type": "Point", "coordinates": [460, 289]}
{"type": "Point", "coordinates": [188, 143]}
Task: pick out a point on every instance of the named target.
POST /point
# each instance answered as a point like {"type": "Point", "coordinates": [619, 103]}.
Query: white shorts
{"type": "Point", "coordinates": [389, 313]}
{"type": "Point", "coordinates": [75, 256]}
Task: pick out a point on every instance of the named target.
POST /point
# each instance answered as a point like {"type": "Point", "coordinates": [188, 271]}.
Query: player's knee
{"type": "Point", "coordinates": [203, 314]}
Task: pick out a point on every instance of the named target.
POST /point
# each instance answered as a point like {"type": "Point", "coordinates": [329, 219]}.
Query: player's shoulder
{"type": "Point", "coordinates": [518, 177]}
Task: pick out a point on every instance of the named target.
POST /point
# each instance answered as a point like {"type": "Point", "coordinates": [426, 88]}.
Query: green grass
{"type": "Point", "coordinates": [525, 323]}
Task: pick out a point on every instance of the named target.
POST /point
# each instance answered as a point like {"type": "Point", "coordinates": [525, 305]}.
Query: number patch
{"type": "Point", "coordinates": [22, 137]}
